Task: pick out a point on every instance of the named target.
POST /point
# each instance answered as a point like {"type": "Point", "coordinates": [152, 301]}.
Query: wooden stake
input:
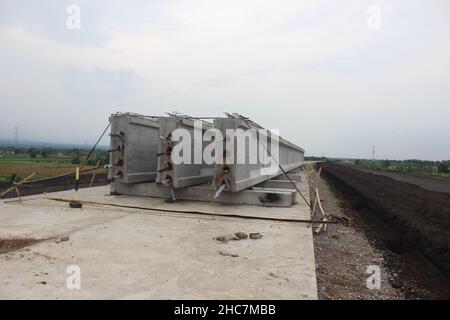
{"type": "Point", "coordinates": [93, 174]}
{"type": "Point", "coordinates": [18, 194]}
{"type": "Point", "coordinates": [323, 225]}
{"type": "Point", "coordinates": [313, 210]}
{"type": "Point", "coordinates": [320, 204]}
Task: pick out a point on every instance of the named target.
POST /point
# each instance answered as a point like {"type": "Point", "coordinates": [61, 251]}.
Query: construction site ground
{"type": "Point", "coordinates": [128, 253]}
{"type": "Point", "coordinates": [389, 223]}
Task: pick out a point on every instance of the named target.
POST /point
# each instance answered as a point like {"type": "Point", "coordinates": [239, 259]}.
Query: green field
{"type": "Point", "coordinates": [427, 168]}
{"type": "Point", "coordinates": [26, 160]}
{"type": "Point", "coordinates": [53, 165]}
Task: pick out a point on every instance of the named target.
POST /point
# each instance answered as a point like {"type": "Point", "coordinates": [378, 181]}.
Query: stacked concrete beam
{"type": "Point", "coordinates": [183, 174]}
{"type": "Point", "coordinates": [243, 176]}
{"type": "Point", "coordinates": [141, 149]}
{"type": "Point", "coordinates": [134, 145]}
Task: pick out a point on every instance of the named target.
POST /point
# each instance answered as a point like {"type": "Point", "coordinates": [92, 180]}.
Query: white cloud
{"type": "Point", "coordinates": [312, 69]}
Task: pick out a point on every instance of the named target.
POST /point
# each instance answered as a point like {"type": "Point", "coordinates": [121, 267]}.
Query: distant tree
{"type": "Point", "coordinates": [104, 159]}
{"type": "Point", "coordinates": [385, 164]}
{"type": "Point", "coordinates": [443, 167]}
{"type": "Point", "coordinates": [75, 159]}
{"type": "Point", "coordinates": [91, 162]}
{"type": "Point", "coordinates": [32, 152]}
{"type": "Point", "coordinates": [44, 154]}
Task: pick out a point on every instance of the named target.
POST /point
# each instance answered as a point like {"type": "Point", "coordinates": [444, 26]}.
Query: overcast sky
{"type": "Point", "coordinates": [336, 77]}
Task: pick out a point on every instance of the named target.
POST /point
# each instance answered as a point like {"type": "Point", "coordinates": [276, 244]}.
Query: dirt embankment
{"type": "Point", "coordinates": [437, 184]}
{"type": "Point", "coordinates": [363, 238]}
{"type": "Point", "coordinates": [53, 185]}
{"type": "Point", "coordinates": [420, 219]}
{"type": "Point", "coordinates": [344, 253]}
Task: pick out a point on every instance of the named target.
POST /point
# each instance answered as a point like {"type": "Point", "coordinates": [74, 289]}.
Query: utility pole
{"type": "Point", "coordinates": [373, 153]}
{"type": "Point", "coordinates": [16, 136]}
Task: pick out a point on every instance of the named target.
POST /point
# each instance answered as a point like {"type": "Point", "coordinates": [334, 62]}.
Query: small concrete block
{"type": "Point", "coordinates": [255, 235]}
{"type": "Point", "coordinates": [226, 238]}
{"type": "Point", "coordinates": [228, 254]}
{"type": "Point", "coordinates": [64, 238]}
{"type": "Point", "coordinates": [241, 235]}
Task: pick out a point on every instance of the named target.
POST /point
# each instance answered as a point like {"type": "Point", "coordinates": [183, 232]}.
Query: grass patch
{"type": "Point", "coordinates": [23, 166]}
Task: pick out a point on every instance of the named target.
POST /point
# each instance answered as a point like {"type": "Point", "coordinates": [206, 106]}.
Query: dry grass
{"type": "Point", "coordinates": [43, 170]}
{"type": "Point", "coordinates": [45, 167]}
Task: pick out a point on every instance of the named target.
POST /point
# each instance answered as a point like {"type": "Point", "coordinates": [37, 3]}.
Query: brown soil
{"type": "Point", "coordinates": [438, 184]}
{"type": "Point", "coordinates": [57, 184]}
{"type": "Point", "coordinates": [408, 225]}
{"type": "Point", "coordinates": [343, 253]}
{"type": "Point", "coordinates": [12, 244]}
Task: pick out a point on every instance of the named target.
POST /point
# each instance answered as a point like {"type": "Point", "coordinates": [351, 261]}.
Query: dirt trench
{"type": "Point", "coordinates": [410, 224]}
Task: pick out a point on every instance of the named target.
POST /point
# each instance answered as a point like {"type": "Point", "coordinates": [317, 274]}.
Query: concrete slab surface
{"type": "Point", "coordinates": [138, 254]}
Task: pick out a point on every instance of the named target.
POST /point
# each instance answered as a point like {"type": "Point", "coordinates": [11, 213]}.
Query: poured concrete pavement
{"type": "Point", "coordinates": [137, 254]}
